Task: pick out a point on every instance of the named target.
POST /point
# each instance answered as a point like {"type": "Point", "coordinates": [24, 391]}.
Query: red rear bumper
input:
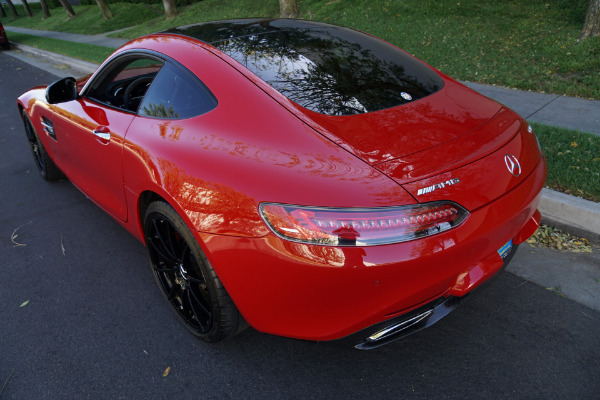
{"type": "Point", "coordinates": [325, 293]}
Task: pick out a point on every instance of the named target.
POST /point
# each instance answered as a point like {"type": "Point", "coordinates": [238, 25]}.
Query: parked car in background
{"type": "Point", "coordinates": [310, 180]}
{"type": "Point", "coordinates": [3, 39]}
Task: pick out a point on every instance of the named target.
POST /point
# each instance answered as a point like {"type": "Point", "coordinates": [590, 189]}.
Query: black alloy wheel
{"type": "Point", "coordinates": [48, 169]}
{"type": "Point", "coordinates": [186, 278]}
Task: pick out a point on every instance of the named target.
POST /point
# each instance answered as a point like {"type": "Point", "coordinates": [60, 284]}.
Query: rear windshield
{"type": "Point", "coordinates": [324, 68]}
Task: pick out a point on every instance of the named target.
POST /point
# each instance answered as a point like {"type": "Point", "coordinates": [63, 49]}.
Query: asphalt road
{"type": "Point", "coordinates": [95, 325]}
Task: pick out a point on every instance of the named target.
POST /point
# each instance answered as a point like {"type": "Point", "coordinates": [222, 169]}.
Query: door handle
{"type": "Point", "coordinates": [102, 133]}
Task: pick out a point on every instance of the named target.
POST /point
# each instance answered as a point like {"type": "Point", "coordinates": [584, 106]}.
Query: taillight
{"type": "Point", "coordinates": [530, 130]}
{"type": "Point", "coordinates": [361, 226]}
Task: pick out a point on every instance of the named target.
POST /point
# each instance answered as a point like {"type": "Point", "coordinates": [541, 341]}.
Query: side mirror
{"type": "Point", "coordinates": [62, 91]}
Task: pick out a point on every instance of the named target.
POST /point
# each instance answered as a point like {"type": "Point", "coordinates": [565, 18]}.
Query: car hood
{"type": "Point", "coordinates": [389, 134]}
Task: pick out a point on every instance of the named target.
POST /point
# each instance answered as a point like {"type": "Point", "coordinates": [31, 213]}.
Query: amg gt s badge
{"type": "Point", "coordinates": [440, 185]}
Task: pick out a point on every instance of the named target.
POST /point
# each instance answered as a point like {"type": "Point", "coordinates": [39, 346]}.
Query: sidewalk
{"type": "Point", "coordinates": [575, 215]}
{"type": "Point", "coordinates": [550, 109]}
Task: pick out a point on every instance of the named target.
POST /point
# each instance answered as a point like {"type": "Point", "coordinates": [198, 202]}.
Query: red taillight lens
{"type": "Point", "coordinates": [361, 226]}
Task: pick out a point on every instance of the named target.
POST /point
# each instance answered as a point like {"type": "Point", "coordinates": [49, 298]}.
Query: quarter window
{"type": "Point", "coordinates": [176, 94]}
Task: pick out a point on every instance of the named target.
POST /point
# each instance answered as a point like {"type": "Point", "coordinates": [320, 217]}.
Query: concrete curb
{"type": "Point", "coordinates": [572, 214]}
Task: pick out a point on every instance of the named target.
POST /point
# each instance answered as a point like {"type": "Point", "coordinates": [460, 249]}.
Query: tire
{"type": "Point", "coordinates": [186, 278]}
{"type": "Point", "coordinates": [6, 46]}
{"type": "Point", "coordinates": [46, 166]}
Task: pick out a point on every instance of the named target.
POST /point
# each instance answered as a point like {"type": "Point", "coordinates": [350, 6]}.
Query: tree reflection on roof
{"type": "Point", "coordinates": [324, 68]}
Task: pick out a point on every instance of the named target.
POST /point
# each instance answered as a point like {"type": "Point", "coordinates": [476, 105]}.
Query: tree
{"type": "Point", "coordinates": [170, 8]}
{"type": "Point", "coordinates": [45, 9]}
{"type": "Point", "coordinates": [591, 26]}
{"type": "Point", "coordinates": [2, 11]}
{"type": "Point", "coordinates": [27, 8]}
{"type": "Point", "coordinates": [288, 9]}
{"type": "Point", "coordinates": [104, 9]}
{"type": "Point", "coordinates": [13, 10]}
{"type": "Point", "coordinates": [68, 9]}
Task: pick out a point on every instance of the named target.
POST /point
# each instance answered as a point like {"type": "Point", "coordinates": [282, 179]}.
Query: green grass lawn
{"type": "Point", "coordinates": [88, 20]}
{"type": "Point", "coordinates": [524, 44]}
{"type": "Point", "coordinates": [86, 52]}
{"type": "Point", "coordinates": [573, 160]}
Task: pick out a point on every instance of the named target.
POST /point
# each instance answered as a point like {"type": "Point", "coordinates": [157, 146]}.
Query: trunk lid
{"type": "Point", "coordinates": [469, 170]}
{"type": "Point", "coordinates": [393, 133]}
{"type": "Point", "coordinates": [453, 145]}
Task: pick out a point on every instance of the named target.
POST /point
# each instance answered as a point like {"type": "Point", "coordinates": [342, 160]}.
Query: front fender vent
{"type": "Point", "coordinates": [48, 127]}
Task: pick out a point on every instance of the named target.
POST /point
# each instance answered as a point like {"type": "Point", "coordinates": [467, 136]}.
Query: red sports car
{"type": "Point", "coordinates": [306, 179]}
{"type": "Point", "coordinates": [3, 39]}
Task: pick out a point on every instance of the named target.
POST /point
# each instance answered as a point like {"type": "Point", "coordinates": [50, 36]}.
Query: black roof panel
{"type": "Point", "coordinates": [326, 68]}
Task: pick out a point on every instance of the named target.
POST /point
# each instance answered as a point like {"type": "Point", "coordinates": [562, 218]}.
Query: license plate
{"type": "Point", "coordinates": [505, 250]}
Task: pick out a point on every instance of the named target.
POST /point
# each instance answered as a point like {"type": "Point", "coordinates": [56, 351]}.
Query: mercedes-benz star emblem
{"type": "Point", "coordinates": [512, 163]}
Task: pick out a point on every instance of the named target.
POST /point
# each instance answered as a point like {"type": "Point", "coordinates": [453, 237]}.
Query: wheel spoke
{"type": "Point", "coordinates": [193, 265]}
{"type": "Point", "coordinates": [172, 241]}
{"type": "Point", "coordinates": [195, 280]}
{"type": "Point", "coordinates": [201, 303]}
{"type": "Point", "coordinates": [172, 291]}
{"type": "Point", "coordinates": [168, 270]}
{"type": "Point", "coordinates": [205, 320]}
{"type": "Point", "coordinates": [159, 235]}
{"type": "Point", "coordinates": [185, 252]}
{"type": "Point", "coordinates": [162, 255]}
{"type": "Point", "coordinates": [164, 251]}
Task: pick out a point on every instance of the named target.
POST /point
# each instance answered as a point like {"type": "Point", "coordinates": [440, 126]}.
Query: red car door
{"type": "Point", "coordinates": [90, 137]}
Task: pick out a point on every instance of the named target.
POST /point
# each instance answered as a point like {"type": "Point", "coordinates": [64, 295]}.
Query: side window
{"type": "Point", "coordinates": [123, 83]}
{"type": "Point", "coordinates": [176, 94]}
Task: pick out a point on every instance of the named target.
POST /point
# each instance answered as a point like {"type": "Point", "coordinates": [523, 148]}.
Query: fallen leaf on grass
{"type": "Point", "coordinates": [167, 371]}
